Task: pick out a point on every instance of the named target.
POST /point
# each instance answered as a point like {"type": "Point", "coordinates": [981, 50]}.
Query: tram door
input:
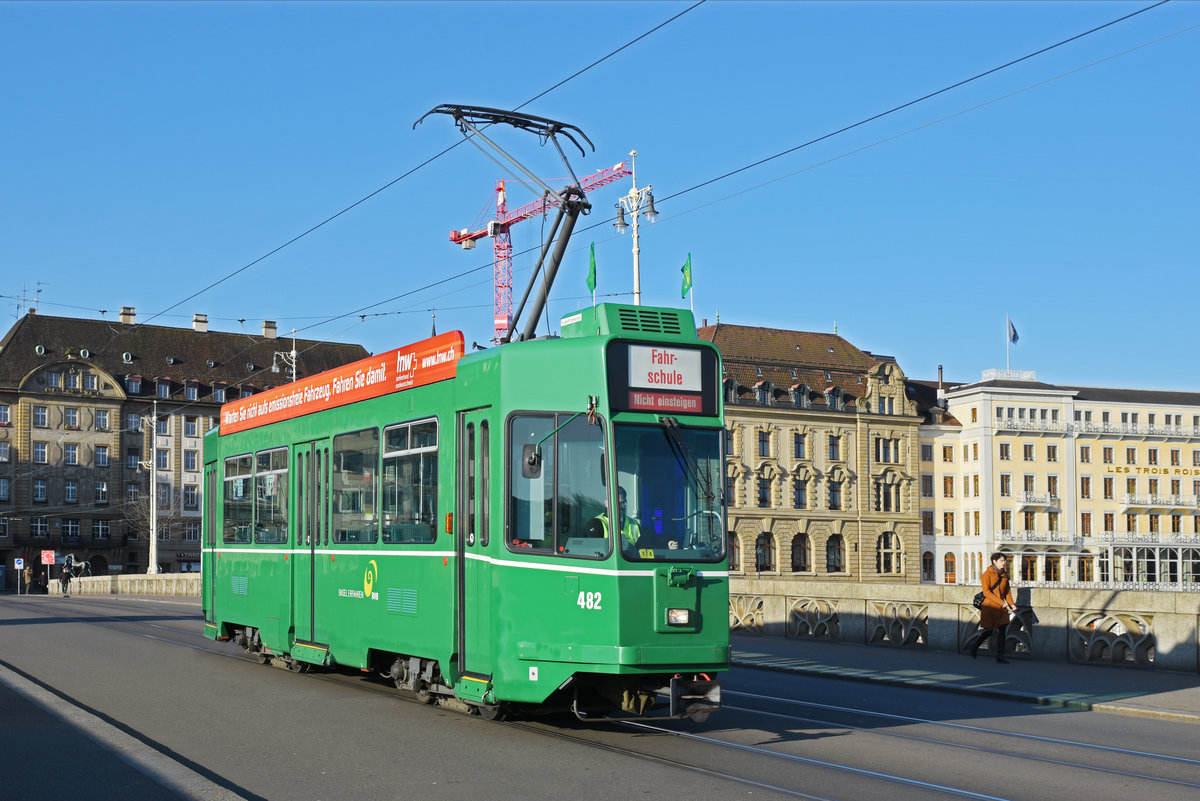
{"type": "Point", "coordinates": [209, 551]}
{"type": "Point", "coordinates": [312, 493]}
{"type": "Point", "coordinates": [473, 516]}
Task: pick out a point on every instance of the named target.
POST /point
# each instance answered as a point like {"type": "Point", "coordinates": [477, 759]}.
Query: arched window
{"type": "Point", "coordinates": [927, 566]}
{"type": "Point", "coordinates": [949, 564]}
{"type": "Point", "coordinates": [835, 554]}
{"type": "Point", "coordinates": [801, 554]}
{"type": "Point", "coordinates": [1189, 565]}
{"type": "Point", "coordinates": [1052, 570]}
{"type": "Point", "coordinates": [735, 552]}
{"type": "Point", "coordinates": [887, 553]}
{"type": "Point", "coordinates": [764, 553]}
{"type": "Point", "coordinates": [1029, 566]}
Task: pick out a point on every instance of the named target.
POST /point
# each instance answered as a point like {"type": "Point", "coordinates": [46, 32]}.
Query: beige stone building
{"type": "Point", "coordinates": [102, 421]}
{"type": "Point", "coordinates": [822, 465]}
{"type": "Point", "coordinates": [1080, 485]}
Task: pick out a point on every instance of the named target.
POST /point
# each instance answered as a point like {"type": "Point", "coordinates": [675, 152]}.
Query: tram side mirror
{"type": "Point", "coordinates": [531, 462]}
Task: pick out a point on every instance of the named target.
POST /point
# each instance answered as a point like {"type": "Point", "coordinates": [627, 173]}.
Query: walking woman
{"type": "Point", "coordinates": [997, 604]}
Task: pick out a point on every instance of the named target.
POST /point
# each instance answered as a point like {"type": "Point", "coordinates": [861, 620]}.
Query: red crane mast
{"type": "Point", "coordinates": [502, 242]}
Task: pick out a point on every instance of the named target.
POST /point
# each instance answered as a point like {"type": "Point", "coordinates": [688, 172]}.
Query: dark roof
{"type": "Point", "coordinates": [789, 359]}
{"type": "Point", "coordinates": [1163, 397]}
{"type": "Point", "coordinates": [925, 393]}
{"type": "Point", "coordinates": [156, 351]}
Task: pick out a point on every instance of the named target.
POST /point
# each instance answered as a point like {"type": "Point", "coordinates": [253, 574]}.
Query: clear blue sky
{"type": "Point", "coordinates": [149, 149]}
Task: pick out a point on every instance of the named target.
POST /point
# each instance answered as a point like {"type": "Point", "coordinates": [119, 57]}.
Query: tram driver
{"type": "Point", "coordinates": [630, 531]}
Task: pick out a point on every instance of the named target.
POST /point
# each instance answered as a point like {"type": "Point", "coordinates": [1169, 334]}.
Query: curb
{"type": "Point", "coordinates": [1079, 704]}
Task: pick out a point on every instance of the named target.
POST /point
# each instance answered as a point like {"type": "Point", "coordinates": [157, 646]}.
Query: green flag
{"type": "Point", "coordinates": [687, 276]}
{"type": "Point", "coordinates": [591, 281]}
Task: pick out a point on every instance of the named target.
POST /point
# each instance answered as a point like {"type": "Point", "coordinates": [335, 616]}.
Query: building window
{"type": "Point", "coordinates": [71, 529]}
{"type": "Point", "coordinates": [834, 448]}
{"type": "Point", "coordinates": [764, 493]}
{"type": "Point", "coordinates": [1131, 456]}
{"type": "Point", "coordinates": [160, 458]}
{"type": "Point", "coordinates": [1108, 489]}
{"type": "Point", "coordinates": [1005, 452]}
{"type": "Point", "coordinates": [40, 528]}
{"type": "Point", "coordinates": [888, 556]}
{"type": "Point", "coordinates": [164, 389]}
{"type": "Point", "coordinates": [1052, 486]}
{"type": "Point", "coordinates": [1085, 524]}
{"type": "Point", "coordinates": [101, 456]}
{"type": "Point", "coordinates": [191, 531]}
{"type": "Point", "coordinates": [1152, 456]}
{"type": "Point", "coordinates": [764, 553]}
{"type": "Point", "coordinates": [1109, 522]}
{"type": "Point", "coordinates": [926, 453]}
{"type": "Point", "coordinates": [191, 426]}
{"type": "Point", "coordinates": [1006, 520]}
{"type": "Point", "coordinates": [100, 529]}
{"type": "Point", "coordinates": [735, 553]}
{"type": "Point", "coordinates": [162, 426]}
{"type": "Point", "coordinates": [1085, 487]}
{"type": "Point", "coordinates": [132, 492]}
{"type": "Point", "coordinates": [39, 417]}
{"type": "Point", "coordinates": [4, 490]}
{"type": "Point", "coordinates": [1005, 485]}
{"type": "Point", "coordinates": [947, 453]}
{"type": "Point", "coordinates": [70, 454]}
{"type": "Point", "coordinates": [1051, 453]}
{"type": "Point", "coordinates": [948, 564]}
{"type": "Point", "coordinates": [799, 493]}
{"type": "Point", "coordinates": [39, 490]}
{"type": "Point", "coordinates": [926, 486]}
{"type": "Point", "coordinates": [1176, 456]}
{"type": "Point", "coordinates": [1131, 523]}
{"type": "Point", "coordinates": [71, 418]}
{"type": "Point", "coordinates": [927, 566]}
{"type": "Point", "coordinates": [4, 453]}
{"type": "Point", "coordinates": [835, 554]}
{"type": "Point", "coordinates": [1027, 452]}
{"type": "Point", "coordinates": [218, 394]}
{"type": "Point", "coordinates": [133, 384]}
{"type": "Point", "coordinates": [39, 453]}
{"type": "Point", "coordinates": [101, 495]}
{"type": "Point", "coordinates": [927, 522]}
{"type": "Point", "coordinates": [102, 419]}
{"type": "Point", "coordinates": [798, 446]}
{"type": "Point", "coordinates": [801, 554]}
{"type": "Point", "coordinates": [1107, 454]}
{"type": "Point", "coordinates": [70, 491]}
{"type": "Point", "coordinates": [4, 414]}
{"type": "Point", "coordinates": [948, 486]}
{"type": "Point", "coordinates": [764, 443]}
{"type": "Point", "coordinates": [948, 524]}
{"type": "Point", "coordinates": [190, 392]}
{"type": "Point", "coordinates": [190, 461]}
{"type": "Point", "coordinates": [835, 495]}
{"type": "Point", "coordinates": [1085, 454]}
{"type": "Point", "coordinates": [191, 497]}
{"type": "Point", "coordinates": [89, 382]}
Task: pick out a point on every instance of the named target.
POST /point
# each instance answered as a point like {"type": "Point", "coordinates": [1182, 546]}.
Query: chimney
{"type": "Point", "coordinates": [941, 390]}
{"type": "Point", "coordinates": [268, 329]}
{"type": "Point", "coordinates": [128, 315]}
{"type": "Point", "coordinates": [705, 323]}
{"type": "Point", "coordinates": [200, 323]}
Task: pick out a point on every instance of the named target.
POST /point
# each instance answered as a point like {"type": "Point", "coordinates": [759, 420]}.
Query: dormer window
{"type": "Point", "coordinates": [800, 396]}
{"type": "Point", "coordinates": [762, 393]}
{"type": "Point", "coordinates": [164, 388]}
{"type": "Point", "coordinates": [191, 391]}
{"type": "Point", "coordinates": [133, 384]}
{"type": "Point", "coordinates": [730, 390]}
{"type": "Point", "coordinates": [218, 392]}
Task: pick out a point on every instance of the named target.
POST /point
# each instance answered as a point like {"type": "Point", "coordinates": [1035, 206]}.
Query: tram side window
{"type": "Point", "coordinates": [409, 487]}
{"type": "Point", "coordinates": [270, 496]}
{"type": "Point", "coordinates": [552, 502]}
{"type": "Point", "coordinates": [239, 499]}
{"type": "Point", "coordinates": [355, 470]}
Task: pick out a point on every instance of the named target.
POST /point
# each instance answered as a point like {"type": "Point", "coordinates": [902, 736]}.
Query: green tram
{"type": "Point", "coordinates": [447, 520]}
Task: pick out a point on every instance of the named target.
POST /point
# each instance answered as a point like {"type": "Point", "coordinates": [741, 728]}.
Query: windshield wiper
{"type": "Point", "coordinates": [672, 427]}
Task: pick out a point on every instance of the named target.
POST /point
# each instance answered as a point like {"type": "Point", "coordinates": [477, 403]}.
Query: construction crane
{"type": "Point", "coordinates": [502, 243]}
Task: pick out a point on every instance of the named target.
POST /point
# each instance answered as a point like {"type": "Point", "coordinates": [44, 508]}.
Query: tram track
{"type": "Point", "coordinates": [800, 753]}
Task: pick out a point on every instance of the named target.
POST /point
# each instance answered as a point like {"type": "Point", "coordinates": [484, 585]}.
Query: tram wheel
{"type": "Point", "coordinates": [297, 667]}
{"type": "Point", "coordinates": [492, 711]}
{"type": "Point", "coordinates": [424, 696]}
{"type": "Point", "coordinates": [263, 659]}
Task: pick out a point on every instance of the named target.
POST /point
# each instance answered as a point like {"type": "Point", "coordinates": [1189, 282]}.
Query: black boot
{"type": "Point", "coordinates": [978, 642]}
{"type": "Point", "coordinates": [1001, 636]}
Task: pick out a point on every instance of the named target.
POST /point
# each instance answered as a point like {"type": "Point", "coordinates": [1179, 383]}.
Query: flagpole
{"type": "Point", "coordinates": [1007, 341]}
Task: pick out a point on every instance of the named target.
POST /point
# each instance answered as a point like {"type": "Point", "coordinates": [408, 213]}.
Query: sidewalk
{"type": "Point", "coordinates": [1127, 691]}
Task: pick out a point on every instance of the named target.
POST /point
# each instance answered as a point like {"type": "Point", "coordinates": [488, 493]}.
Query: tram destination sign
{"type": "Point", "coordinates": [425, 362]}
{"type": "Point", "coordinates": [662, 379]}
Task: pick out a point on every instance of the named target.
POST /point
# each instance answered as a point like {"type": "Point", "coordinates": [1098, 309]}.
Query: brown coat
{"type": "Point", "coordinates": [993, 614]}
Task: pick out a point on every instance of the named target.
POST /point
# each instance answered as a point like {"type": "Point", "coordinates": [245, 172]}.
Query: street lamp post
{"type": "Point", "coordinates": [637, 202]}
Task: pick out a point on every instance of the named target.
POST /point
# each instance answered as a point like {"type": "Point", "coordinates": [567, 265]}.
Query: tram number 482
{"type": "Point", "coordinates": [589, 600]}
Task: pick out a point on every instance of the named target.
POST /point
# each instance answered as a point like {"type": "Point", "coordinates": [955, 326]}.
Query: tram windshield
{"type": "Point", "coordinates": [670, 480]}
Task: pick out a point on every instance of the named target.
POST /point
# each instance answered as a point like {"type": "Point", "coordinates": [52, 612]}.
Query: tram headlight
{"type": "Point", "coordinates": [679, 617]}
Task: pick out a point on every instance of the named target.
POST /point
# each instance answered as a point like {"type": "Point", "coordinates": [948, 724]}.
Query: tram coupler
{"type": "Point", "coordinates": [694, 698]}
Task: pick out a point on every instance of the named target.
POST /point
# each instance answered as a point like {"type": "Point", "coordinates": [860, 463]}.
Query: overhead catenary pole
{"type": "Point", "coordinates": [153, 490]}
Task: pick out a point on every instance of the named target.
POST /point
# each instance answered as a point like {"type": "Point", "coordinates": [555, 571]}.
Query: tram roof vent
{"type": "Point", "coordinates": [632, 322]}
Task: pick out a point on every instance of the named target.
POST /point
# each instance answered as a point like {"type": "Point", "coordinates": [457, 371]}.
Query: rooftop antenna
{"type": "Point", "coordinates": [571, 200]}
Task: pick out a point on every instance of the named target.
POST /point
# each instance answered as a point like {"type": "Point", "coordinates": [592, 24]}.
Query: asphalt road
{"type": "Point", "coordinates": [139, 694]}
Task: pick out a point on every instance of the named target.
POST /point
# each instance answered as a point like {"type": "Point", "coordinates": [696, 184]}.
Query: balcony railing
{"type": "Point", "coordinates": [1038, 499]}
{"type": "Point", "coordinates": [1188, 502]}
{"type": "Point", "coordinates": [1029, 535]}
{"type": "Point", "coordinates": [1080, 428]}
{"type": "Point", "coordinates": [1148, 538]}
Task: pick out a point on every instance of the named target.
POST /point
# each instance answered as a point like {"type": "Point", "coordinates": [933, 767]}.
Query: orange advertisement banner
{"type": "Point", "coordinates": [425, 362]}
